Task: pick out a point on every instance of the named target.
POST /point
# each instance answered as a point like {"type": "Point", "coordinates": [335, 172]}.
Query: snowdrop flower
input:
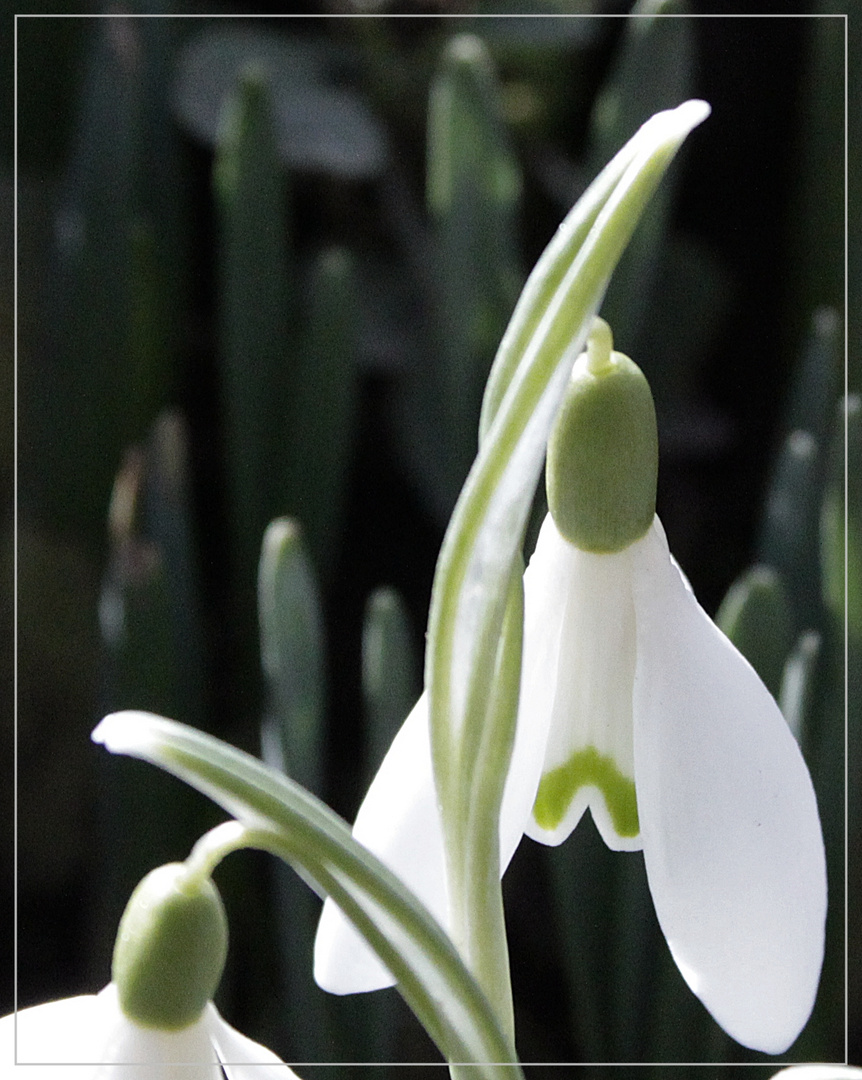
{"type": "Point", "coordinates": [633, 704]}
{"type": "Point", "coordinates": [155, 1019]}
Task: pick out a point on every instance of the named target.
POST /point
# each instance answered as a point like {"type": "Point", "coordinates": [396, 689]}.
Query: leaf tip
{"type": "Point", "coordinates": [125, 732]}
{"type": "Point", "coordinates": [692, 112]}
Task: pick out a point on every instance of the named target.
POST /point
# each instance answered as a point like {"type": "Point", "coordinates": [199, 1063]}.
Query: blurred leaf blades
{"type": "Point", "coordinates": [116, 298]}
{"type": "Point", "coordinates": [788, 536]}
{"type": "Point", "coordinates": [289, 382]}
{"type": "Point", "coordinates": [756, 615]}
{"type": "Point", "coordinates": [781, 595]}
{"type": "Point", "coordinates": [841, 529]}
{"type": "Point", "coordinates": [292, 648]}
{"type": "Point", "coordinates": [153, 655]}
{"type": "Point", "coordinates": [789, 529]}
{"type": "Point", "coordinates": [833, 725]}
{"type": "Point", "coordinates": [256, 295]}
{"type": "Point", "coordinates": [797, 696]}
{"type": "Point", "coordinates": [321, 418]}
{"type": "Point", "coordinates": [473, 191]}
{"type": "Point", "coordinates": [318, 124]}
{"type": "Point", "coordinates": [292, 655]}
{"type": "Point", "coordinates": [817, 377]}
{"type": "Point", "coordinates": [389, 672]}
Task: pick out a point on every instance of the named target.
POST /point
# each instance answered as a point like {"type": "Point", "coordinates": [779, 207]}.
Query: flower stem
{"type": "Point", "coordinates": [478, 919]}
{"type": "Point", "coordinates": [214, 845]}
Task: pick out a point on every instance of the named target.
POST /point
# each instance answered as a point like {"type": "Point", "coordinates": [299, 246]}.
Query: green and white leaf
{"type": "Point", "coordinates": [318, 844]}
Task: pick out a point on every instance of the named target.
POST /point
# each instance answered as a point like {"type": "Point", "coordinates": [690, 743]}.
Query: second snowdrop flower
{"type": "Point", "coordinates": [155, 1020]}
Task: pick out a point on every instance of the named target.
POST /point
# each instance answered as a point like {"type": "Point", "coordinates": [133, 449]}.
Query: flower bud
{"type": "Point", "coordinates": [603, 451]}
{"type": "Point", "coordinates": [170, 949]}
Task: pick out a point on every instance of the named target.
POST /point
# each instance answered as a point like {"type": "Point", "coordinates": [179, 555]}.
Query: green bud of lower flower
{"type": "Point", "coordinates": [603, 451]}
{"type": "Point", "coordinates": [170, 949]}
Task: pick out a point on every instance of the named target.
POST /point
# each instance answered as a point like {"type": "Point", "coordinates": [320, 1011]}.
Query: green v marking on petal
{"type": "Point", "coordinates": [587, 767]}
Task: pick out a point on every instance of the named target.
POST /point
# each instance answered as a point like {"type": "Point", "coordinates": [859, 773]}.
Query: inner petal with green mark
{"type": "Point", "coordinates": [585, 769]}
{"type": "Point", "coordinates": [589, 754]}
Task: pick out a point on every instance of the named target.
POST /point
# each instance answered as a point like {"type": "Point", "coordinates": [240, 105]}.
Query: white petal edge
{"type": "Point", "coordinates": [399, 822]}
{"type": "Point", "coordinates": [731, 833]}
{"type": "Point", "coordinates": [235, 1051]}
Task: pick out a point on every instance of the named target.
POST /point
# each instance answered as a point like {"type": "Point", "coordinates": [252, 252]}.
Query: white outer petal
{"type": "Point", "coordinates": [59, 1031]}
{"type": "Point", "coordinates": [731, 834]}
{"type": "Point", "coordinates": [235, 1051]}
{"type": "Point", "coordinates": [399, 822]}
{"type": "Point", "coordinates": [543, 617]}
{"type": "Point", "coordinates": [92, 1030]}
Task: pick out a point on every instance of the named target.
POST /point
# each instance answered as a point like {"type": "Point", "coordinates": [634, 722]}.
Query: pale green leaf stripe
{"type": "Point", "coordinates": [318, 844]}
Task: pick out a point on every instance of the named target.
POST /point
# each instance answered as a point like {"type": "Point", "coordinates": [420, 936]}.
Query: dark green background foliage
{"type": "Point", "coordinates": [263, 268]}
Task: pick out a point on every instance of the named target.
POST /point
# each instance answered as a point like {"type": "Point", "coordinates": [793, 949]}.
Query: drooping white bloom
{"type": "Point", "coordinates": [90, 1038]}
{"type": "Point", "coordinates": [634, 704]}
{"type": "Point", "coordinates": [725, 809]}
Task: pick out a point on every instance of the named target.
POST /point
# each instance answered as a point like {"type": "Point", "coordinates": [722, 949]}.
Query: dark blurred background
{"type": "Point", "coordinates": [242, 293]}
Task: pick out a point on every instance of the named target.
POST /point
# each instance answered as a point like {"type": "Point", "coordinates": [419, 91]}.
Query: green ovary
{"type": "Point", "coordinates": [587, 768]}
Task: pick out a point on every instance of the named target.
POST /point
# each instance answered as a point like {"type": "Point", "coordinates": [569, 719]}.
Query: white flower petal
{"type": "Point", "coordinates": [400, 823]}
{"type": "Point", "coordinates": [542, 629]}
{"type": "Point", "coordinates": [58, 1032]}
{"type": "Point", "coordinates": [93, 1039]}
{"type": "Point", "coordinates": [576, 689]}
{"type": "Point", "coordinates": [235, 1051]}
{"type": "Point", "coordinates": [729, 821]}
{"type": "Point", "coordinates": [819, 1072]}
